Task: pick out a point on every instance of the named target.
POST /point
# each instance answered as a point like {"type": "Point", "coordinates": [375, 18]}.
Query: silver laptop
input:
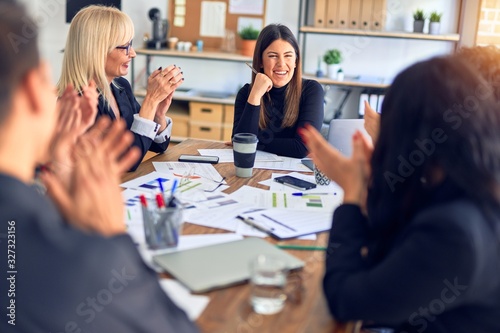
{"type": "Point", "coordinates": [341, 132]}
{"type": "Point", "coordinates": [220, 265]}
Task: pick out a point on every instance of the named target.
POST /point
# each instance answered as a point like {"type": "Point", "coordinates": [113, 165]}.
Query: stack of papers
{"type": "Point", "coordinates": [263, 160]}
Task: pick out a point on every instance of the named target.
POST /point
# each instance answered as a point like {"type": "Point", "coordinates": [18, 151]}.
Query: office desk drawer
{"type": "Point", "coordinates": [202, 130]}
{"type": "Point", "coordinates": [228, 114]}
{"type": "Point", "coordinates": [180, 124]}
{"type": "Point", "coordinates": [206, 112]}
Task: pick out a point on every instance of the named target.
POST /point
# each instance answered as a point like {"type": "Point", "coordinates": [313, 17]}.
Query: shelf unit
{"type": "Point", "coordinates": [381, 34]}
{"type": "Point", "coordinates": [208, 54]}
{"type": "Point", "coordinates": [195, 114]}
{"type": "Point", "coordinates": [305, 29]}
{"type": "Point", "coordinates": [347, 85]}
{"type": "Point", "coordinates": [347, 82]}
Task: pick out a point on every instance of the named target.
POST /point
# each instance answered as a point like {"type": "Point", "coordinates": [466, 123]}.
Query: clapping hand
{"type": "Point", "coordinates": [350, 173]}
{"type": "Point", "coordinates": [372, 122]}
{"type": "Point", "coordinates": [92, 202]}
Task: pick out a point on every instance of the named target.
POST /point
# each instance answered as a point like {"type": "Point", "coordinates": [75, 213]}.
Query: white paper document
{"type": "Point", "coordinates": [248, 7]}
{"type": "Point", "coordinates": [213, 19]}
{"type": "Point", "coordinates": [284, 199]}
{"type": "Point", "coordinates": [226, 155]}
{"type": "Point", "coordinates": [193, 170]}
{"type": "Point", "coordinates": [150, 183]}
{"type": "Point", "coordinates": [193, 305]}
{"type": "Point", "coordinates": [286, 163]}
{"type": "Point", "coordinates": [285, 223]}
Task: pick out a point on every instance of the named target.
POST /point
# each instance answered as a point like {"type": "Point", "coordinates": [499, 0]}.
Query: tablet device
{"type": "Point", "coordinates": [220, 265]}
{"type": "Point", "coordinates": [308, 163]}
{"type": "Point", "coordinates": [341, 132]}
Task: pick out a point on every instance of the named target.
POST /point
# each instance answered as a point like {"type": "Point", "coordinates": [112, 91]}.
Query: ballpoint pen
{"type": "Point", "coordinates": [251, 223]}
{"type": "Point", "coordinates": [302, 194]}
{"type": "Point", "coordinates": [251, 67]}
{"type": "Point", "coordinates": [171, 201]}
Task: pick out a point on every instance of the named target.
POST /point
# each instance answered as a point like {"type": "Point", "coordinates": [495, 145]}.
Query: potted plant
{"type": "Point", "coordinates": [249, 36]}
{"type": "Point", "coordinates": [332, 58]}
{"type": "Point", "coordinates": [418, 20]}
{"type": "Point", "coordinates": [435, 23]}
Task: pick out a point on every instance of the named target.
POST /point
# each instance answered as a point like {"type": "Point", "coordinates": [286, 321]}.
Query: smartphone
{"type": "Point", "coordinates": [199, 159]}
{"type": "Point", "coordinates": [295, 182]}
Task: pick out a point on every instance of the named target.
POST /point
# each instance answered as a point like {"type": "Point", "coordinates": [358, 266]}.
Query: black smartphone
{"type": "Point", "coordinates": [295, 182]}
{"type": "Point", "coordinates": [199, 159]}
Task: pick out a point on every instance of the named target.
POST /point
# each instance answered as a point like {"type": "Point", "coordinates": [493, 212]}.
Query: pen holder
{"type": "Point", "coordinates": [162, 226]}
{"type": "Point", "coordinates": [320, 177]}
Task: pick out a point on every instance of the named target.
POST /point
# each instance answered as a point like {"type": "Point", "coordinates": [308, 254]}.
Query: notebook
{"type": "Point", "coordinates": [341, 131]}
{"type": "Point", "coordinates": [221, 265]}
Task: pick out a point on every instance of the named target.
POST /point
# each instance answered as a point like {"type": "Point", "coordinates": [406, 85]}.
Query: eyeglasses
{"type": "Point", "coordinates": [126, 47]}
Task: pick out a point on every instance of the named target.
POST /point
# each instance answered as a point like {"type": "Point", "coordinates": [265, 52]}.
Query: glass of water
{"type": "Point", "coordinates": [268, 281]}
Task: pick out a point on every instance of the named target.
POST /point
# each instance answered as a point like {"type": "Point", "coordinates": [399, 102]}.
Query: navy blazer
{"type": "Point", "coordinates": [128, 106]}
{"type": "Point", "coordinates": [439, 274]}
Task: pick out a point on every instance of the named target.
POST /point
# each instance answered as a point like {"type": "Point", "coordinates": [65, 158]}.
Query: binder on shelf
{"type": "Point", "coordinates": [332, 14]}
{"type": "Point", "coordinates": [320, 13]}
{"type": "Point", "coordinates": [362, 98]}
{"type": "Point", "coordinates": [373, 101]}
{"type": "Point", "coordinates": [380, 101]}
{"type": "Point", "coordinates": [374, 97]}
{"type": "Point", "coordinates": [343, 19]}
{"type": "Point", "coordinates": [378, 16]}
{"type": "Point", "coordinates": [355, 14]}
{"type": "Point", "coordinates": [366, 14]}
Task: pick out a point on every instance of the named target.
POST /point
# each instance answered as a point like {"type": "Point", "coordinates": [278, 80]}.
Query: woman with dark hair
{"type": "Point", "coordinates": [278, 101]}
{"type": "Point", "coordinates": [416, 244]}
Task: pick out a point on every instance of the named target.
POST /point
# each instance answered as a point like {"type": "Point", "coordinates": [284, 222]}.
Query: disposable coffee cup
{"type": "Point", "coordinates": [172, 42]}
{"type": "Point", "coordinates": [244, 150]}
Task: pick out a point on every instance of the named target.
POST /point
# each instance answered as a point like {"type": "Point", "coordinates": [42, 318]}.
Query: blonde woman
{"type": "Point", "coordinates": [99, 48]}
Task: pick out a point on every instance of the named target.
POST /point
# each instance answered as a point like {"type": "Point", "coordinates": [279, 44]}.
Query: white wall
{"type": "Point", "coordinates": [369, 56]}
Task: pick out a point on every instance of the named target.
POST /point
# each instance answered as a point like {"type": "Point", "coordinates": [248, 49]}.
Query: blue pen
{"type": "Point", "coordinates": [160, 183]}
{"type": "Point", "coordinates": [171, 202]}
{"type": "Point", "coordinates": [300, 194]}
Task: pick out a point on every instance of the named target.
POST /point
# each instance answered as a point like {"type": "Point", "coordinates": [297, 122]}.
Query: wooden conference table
{"type": "Point", "coordinates": [229, 310]}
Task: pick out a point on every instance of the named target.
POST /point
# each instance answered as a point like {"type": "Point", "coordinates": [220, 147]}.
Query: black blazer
{"type": "Point", "coordinates": [68, 280]}
{"type": "Point", "coordinates": [129, 106]}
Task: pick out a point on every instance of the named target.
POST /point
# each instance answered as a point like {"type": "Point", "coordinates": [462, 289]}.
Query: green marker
{"type": "Point", "coordinates": [301, 247]}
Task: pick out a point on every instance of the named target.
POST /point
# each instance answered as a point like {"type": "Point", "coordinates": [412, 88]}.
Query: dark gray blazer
{"type": "Point", "coordinates": [69, 281]}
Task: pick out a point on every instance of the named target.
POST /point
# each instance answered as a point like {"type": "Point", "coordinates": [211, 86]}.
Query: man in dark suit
{"type": "Point", "coordinates": [71, 268]}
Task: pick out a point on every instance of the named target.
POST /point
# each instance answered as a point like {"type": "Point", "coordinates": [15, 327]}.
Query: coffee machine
{"type": "Point", "coordinates": [159, 30]}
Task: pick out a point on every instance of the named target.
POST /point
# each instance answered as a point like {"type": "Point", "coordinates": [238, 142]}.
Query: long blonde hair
{"type": "Point", "coordinates": [95, 31]}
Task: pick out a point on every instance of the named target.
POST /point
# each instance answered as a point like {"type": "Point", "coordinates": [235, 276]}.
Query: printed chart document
{"type": "Point", "coordinates": [282, 199]}
{"type": "Point", "coordinates": [286, 163]}
{"type": "Point", "coordinates": [226, 155]}
{"type": "Point", "coordinates": [286, 223]}
{"type": "Point", "coordinates": [202, 171]}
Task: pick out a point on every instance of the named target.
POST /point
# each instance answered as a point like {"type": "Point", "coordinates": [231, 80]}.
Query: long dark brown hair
{"type": "Point", "coordinates": [438, 114]}
{"type": "Point", "coordinates": [293, 92]}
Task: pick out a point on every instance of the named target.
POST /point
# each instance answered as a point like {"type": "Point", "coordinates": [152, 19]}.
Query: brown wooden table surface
{"type": "Point", "coordinates": [229, 310]}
